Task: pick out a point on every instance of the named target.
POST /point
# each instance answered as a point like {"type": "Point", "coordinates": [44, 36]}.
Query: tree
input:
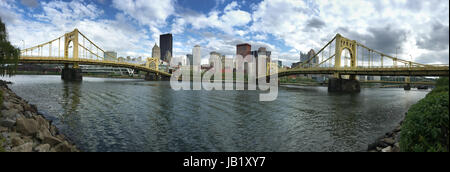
{"type": "Point", "coordinates": [9, 55]}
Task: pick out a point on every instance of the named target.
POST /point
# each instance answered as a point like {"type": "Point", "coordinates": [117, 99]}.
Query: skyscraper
{"type": "Point", "coordinates": [189, 59]}
{"type": "Point", "coordinates": [165, 43]}
{"type": "Point", "coordinates": [156, 52]}
{"type": "Point", "coordinates": [243, 49]}
{"type": "Point", "coordinates": [110, 55]}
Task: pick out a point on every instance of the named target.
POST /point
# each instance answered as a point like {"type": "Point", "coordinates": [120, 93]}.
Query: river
{"type": "Point", "coordinates": [103, 114]}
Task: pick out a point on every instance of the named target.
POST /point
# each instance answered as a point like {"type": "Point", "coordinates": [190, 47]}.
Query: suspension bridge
{"type": "Point", "coordinates": [74, 49]}
{"type": "Point", "coordinates": [359, 60]}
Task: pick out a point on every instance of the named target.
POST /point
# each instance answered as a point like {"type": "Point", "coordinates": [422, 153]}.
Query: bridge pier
{"type": "Point", "coordinates": [151, 77]}
{"type": "Point", "coordinates": [343, 85]}
{"type": "Point", "coordinates": [71, 74]}
{"type": "Point", "coordinates": [407, 87]}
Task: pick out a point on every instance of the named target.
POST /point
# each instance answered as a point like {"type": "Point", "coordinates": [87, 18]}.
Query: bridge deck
{"type": "Point", "coordinates": [58, 60]}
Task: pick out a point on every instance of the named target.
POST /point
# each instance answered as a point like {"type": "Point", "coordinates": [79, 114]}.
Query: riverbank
{"type": "Point", "coordinates": [24, 129]}
{"type": "Point", "coordinates": [389, 142]}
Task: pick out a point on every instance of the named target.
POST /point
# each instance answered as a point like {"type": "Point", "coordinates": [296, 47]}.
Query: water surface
{"type": "Point", "coordinates": [134, 115]}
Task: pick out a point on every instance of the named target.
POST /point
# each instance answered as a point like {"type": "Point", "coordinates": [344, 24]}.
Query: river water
{"type": "Point", "coordinates": [101, 114]}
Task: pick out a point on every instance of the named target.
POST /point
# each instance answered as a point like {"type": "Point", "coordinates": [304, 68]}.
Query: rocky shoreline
{"type": "Point", "coordinates": [389, 142]}
{"type": "Point", "coordinates": [24, 129]}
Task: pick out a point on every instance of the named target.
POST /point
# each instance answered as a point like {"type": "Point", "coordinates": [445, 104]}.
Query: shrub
{"type": "Point", "coordinates": [426, 125]}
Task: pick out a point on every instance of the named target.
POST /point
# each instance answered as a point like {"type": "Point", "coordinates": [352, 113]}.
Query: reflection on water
{"type": "Point", "coordinates": [134, 115]}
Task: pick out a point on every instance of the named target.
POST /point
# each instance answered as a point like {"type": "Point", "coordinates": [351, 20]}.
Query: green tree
{"type": "Point", "coordinates": [9, 55]}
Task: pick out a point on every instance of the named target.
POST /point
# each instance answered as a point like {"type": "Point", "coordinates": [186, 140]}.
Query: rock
{"type": "Point", "coordinates": [389, 141]}
{"type": "Point", "coordinates": [3, 129]}
{"type": "Point", "coordinates": [53, 130]}
{"type": "Point", "coordinates": [42, 148]}
{"type": "Point", "coordinates": [51, 140]}
{"type": "Point", "coordinates": [11, 113]}
{"type": "Point", "coordinates": [398, 129]}
{"type": "Point", "coordinates": [27, 126]}
{"type": "Point", "coordinates": [379, 149]}
{"type": "Point", "coordinates": [27, 147]}
{"type": "Point", "coordinates": [60, 136]}
{"type": "Point", "coordinates": [28, 114]}
{"type": "Point", "coordinates": [387, 149]}
{"type": "Point", "coordinates": [7, 122]}
{"type": "Point", "coordinates": [42, 122]}
{"type": "Point", "coordinates": [16, 141]}
{"type": "Point", "coordinates": [396, 147]}
{"type": "Point", "coordinates": [41, 134]}
{"type": "Point", "coordinates": [63, 147]}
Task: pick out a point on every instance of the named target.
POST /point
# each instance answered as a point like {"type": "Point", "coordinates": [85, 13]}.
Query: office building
{"type": "Point", "coordinates": [165, 43]}
{"type": "Point", "coordinates": [156, 52]}
{"type": "Point", "coordinates": [110, 55]}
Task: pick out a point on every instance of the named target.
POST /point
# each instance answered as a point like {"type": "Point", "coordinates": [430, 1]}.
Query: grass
{"type": "Point", "coordinates": [426, 125]}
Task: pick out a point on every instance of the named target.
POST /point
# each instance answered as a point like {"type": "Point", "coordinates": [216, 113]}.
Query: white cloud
{"type": "Point", "coordinates": [147, 12]}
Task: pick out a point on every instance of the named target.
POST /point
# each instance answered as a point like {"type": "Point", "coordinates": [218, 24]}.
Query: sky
{"type": "Point", "coordinates": [414, 29]}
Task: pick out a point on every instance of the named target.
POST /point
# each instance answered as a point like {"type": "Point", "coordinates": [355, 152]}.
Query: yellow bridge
{"type": "Point", "coordinates": [77, 49]}
{"type": "Point", "coordinates": [342, 56]}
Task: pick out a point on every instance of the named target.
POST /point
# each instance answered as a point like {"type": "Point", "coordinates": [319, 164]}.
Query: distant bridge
{"type": "Point", "coordinates": [77, 49]}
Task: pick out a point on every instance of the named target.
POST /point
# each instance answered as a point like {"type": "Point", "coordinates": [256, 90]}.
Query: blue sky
{"type": "Point", "coordinates": [416, 29]}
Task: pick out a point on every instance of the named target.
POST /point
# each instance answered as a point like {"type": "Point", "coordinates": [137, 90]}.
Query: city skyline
{"type": "Point", "coordinates": [417, 30]}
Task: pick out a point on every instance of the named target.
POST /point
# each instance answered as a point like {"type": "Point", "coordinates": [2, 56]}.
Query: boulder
{"type": "Point", "coordinates": [3, 129]}
{"type": "Point", "coordinates": [42, 122]}
{"type": "Point", "coordinates": [51, 140]}
{"type": "Point", "coordinates": [62, 147]}
{"type": "Point", "coordinates": [42, 148]}
{"type": "Point", "coordinates": [7, 122]}
{"type": "Point", "coordinates": [387, 149]}
{"type": "Point", "coordinates": [27, 147]}
{"type": "Point", "coordinates": [41, 134]}
{"type": "Point", "coordinates": [28, 114]}
{"type": "Point", "coordinates": [16, 141]}
{"type": "Point", "coordinates": [27, 126]}
{"type": "Point", "coordinates": [389, 141]}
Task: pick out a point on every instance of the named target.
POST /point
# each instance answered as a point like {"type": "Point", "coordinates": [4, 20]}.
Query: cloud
{"type": "Point", "coordinates": [147, 12]}
{"type": "Point", "coordinates": [30, 3]}
{"type": "Point", "coordinates": [437, 39]}
{"type": "Point", "coordinates": [314, 23]}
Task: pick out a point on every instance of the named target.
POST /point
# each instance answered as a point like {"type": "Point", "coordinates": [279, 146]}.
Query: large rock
{"type": "Point", "coordinates": [43, 124]}
{"type": "Point", "coordinates": [63, 147]}
{"type": "Point", "coordinates": [7, 122]}
{"type": "Point", "coordinates": [27, 126]}
{"type": "Point", "coordinates": [27, 147]}
{"type": "Point", "coordinates": [51, 140]}
{"type": "Point", "coordinates": [387, 149]}
{"type": "Point", "coordinates": [16, 141]}
{"type": "Point", "coordinates": [42, 148]}
{"type": "Point", "coordinates": [3, 129]}
{"type": "Point", "coordinates": [389, 141]}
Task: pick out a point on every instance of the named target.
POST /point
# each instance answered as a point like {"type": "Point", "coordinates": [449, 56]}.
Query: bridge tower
{"type": "Point", "coordinates": [74, 73]}
{"type": "Point", "coordinates": [152, 63]}
{"type": "Point", "coordinates": [338, 83]}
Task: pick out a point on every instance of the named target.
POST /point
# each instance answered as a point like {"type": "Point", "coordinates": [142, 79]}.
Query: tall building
{"type": "Point", "coordinates": [165, 43]}
{"type": "Point", "coordinates": [243, 49]}
{"type": "Point", "coordinates": [305, 57]}
{"type": "Point", "coordinates": [197, 57]}
{"type": "Point", "coordinates": [280, 63]}
{"type": "Point", "coordinates": [213, 55]}
{"type": "Point", "coordinates": [259, 53]}
{"type": "Point", "coordinates": [156, 52]}
{"type": "Point", "coordinates": [190, 59]}
{"type": "Point", "coordinates": [110, 55]}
